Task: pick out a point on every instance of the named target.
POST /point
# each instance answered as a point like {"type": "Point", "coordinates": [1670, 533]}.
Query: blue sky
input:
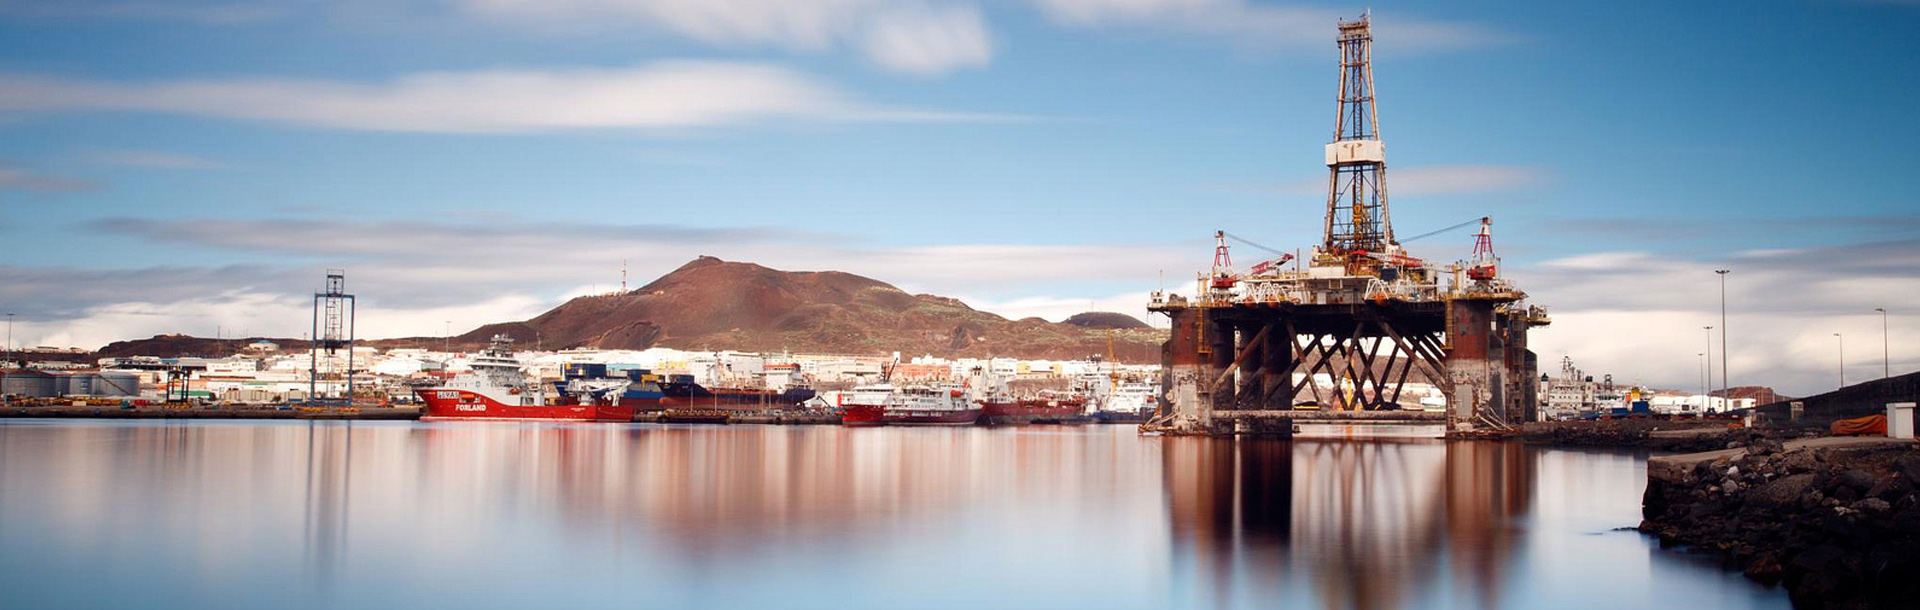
{"type": "Point", "coordinates": [191, 167]}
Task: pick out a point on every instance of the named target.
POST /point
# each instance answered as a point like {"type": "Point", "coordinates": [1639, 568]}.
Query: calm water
{"type": "Point", "coordinates": [409, 515]}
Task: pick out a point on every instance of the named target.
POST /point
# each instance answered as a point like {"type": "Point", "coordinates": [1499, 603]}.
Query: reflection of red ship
{"type": "Point", "coordinates": [496, 389]}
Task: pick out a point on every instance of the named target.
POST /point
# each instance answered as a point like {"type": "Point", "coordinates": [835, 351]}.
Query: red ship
{"type": "Point", "coordinates": [1047, 408]}
{"type": "Point", "coordinates": [496, 390]}
{"type": "Point", "coordinates": [864, 405]}
{"type": "Point", "coordinates": [885, 404]}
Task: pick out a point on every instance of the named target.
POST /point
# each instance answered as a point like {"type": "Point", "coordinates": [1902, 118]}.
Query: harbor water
{"type": "Point", "coordinates": [223, 514]}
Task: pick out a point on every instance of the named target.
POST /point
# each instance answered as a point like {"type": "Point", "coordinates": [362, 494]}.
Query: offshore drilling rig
{"type": "Point", "coordinates": [1247, 347]}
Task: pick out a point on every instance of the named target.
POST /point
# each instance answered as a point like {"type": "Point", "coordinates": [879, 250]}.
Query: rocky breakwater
{"type": "Point", "coordinates": [1656, 434]}
{"type": "Point", "coordinates": [1834, 520]}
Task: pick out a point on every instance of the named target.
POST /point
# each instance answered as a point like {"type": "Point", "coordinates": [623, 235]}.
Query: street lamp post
{"type": "Point", "coordinates": [1726, 383]}
{"type": "Point", "coordinates": [1886, 358]}
{"type": "Point", "coordinates": [1703, 382]}
{"type": "Point", "coordinates": [1843, 358]}
{"type": "Point", "coordinates": [1709, 353]}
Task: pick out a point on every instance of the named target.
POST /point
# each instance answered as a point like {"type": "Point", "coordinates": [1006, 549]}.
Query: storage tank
{"type": "Point", "coordinates": [73, 384]}
{"type": "Point", "coordinates": [27, 384]}
{"type": "Point", "coordinates": [117, 383]}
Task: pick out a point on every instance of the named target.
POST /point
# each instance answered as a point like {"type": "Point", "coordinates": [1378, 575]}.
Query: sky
{"type": "Point", "coordinates": [195, 167]}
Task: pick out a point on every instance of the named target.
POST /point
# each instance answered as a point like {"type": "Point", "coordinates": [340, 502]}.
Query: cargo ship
{"type": "Point", "coordinates": [999, 407]}
{"type": "Point", "coordinates": [496, 390]}
{"type": "Point", "coordinates": [1048, 407]}
{"type": "Point", "coordinates": [680, 391]}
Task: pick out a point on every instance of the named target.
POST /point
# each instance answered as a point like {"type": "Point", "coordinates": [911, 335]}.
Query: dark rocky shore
{"type": "Point", "coordinates": [1834, 520]}
{"type": "Point", "coordinates": [1654, 434]}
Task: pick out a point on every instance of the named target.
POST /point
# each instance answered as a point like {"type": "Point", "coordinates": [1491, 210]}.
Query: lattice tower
{"type": "Point", "coordinates": [1356, 160]}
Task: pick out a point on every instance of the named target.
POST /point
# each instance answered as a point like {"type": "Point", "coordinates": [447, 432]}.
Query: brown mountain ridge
{"type": "Point", "coordinates": [711, 304]}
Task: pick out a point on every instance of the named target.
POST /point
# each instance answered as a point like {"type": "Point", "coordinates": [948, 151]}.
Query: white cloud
{"type": "Point", "coordinates": [1457, 179]}
{"type": "Point", "coordinates": [412, 275]}
{"type": "Point", "coordinates": [241, 313]}
{"type": "Point", "coordinates": [928, 40]}
{"type": "Point", "coordinates": [906, 35]}
{"type": "Point", "coordinates": [1640, 316]}
{"type": "Point", "coordinates": [21, 179]}
{"type": "Point", "coordinates": [1260, 25]}
{"type": "Point", "coordinates": [1059, 308]}
{"type": "Point", "coordinates": [154, 159]}
{"type": "Point", "coordinates": [667, 94]}
{"type": "Point", "coordinates": [219, 13]}
{"type": "Point", "coordinates": [1431, 180]}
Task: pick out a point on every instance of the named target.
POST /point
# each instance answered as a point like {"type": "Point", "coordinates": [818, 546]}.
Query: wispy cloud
{"type": "Point", "coordinates": [1640, 315]}
{"type": "Point", "coordinates": [211, 13]}
{"type": "Point", "coordinates": [22, 179]}
{"type": "Point", "coordinates": [1420, 181]}
{"type": "Point", "coordinates": [153, 159]}
{"type": "Point", "coordinates": [1262, 26]}
{"type": "Point", "coordinates": [915, 36]}
{"type": "Point", "coordinates": [662, 95]}
{"type": "Point", "coordinates": [929, 40]}
{"type": "Point", "coordinates": [409, 274]}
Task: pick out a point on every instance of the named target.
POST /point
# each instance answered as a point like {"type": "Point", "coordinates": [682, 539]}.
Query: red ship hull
{"type": "Point", "coordinates": [1035, 410]}
{"type": "Point", "coordinates": [454, 405]}
{"type": "Point", "coordinates": [862, 415]}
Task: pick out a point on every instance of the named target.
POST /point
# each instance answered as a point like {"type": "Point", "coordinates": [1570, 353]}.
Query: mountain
{"type": "Point", "coordinates": [1104, 320]}
{"type": "Point", "coordinates": [711, 304]}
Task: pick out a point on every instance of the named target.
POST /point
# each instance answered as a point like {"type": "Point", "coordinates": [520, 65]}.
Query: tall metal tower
{"type": "Point", "coordinates": [1356, 160]}
{"type": "Point", "coordinates": [333, 314]}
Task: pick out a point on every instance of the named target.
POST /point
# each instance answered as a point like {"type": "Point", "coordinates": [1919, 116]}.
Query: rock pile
{"type": "Point", "coordinates": [1837, 526]}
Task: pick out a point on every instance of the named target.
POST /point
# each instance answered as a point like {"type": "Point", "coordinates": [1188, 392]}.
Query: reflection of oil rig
{"type": "Point", "coordinates": [1359, 310]}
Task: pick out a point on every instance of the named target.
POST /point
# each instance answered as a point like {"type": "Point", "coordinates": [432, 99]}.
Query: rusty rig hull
{"type": "Point", "coordinates": [1226, 363]}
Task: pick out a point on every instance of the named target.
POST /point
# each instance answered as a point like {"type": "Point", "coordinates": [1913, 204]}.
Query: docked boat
{"type": "Point", "coordinates": [930, 406]}
{"type": "Point", "coordinates": [999, 407]}
{"type": "Point", "coordinates": [864, 405]}
{"type": "Point", "coordinates": [496, 389]}
{"type": "Point", "coordinates": [1128, 402]}
{"type": "Point", "coordinates": [680, 391]}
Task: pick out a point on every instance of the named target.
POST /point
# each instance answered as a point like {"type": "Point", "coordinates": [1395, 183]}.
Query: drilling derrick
{"type": "Point", "coordinates": [1357, 222]}
{"type": "Point", "coordinates": [1357, 327]}
{"type": "Point", "coordinates": [333, 316]}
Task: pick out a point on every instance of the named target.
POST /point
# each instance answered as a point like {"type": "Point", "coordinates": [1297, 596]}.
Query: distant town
{"type": "Point", "coordinates": [267, 374]}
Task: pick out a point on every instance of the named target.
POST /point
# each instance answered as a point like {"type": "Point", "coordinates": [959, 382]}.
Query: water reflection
{"type": "Point", "coordinates": [1353, 523]}
{"type": "Point", "coordinates": [386, 514]}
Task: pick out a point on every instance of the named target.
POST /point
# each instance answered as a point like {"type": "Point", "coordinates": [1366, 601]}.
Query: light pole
{"type": "Point", "coordinates": [1709, 353]}
{"type": "Point", "coordinates": [1703, 381]}
{"type": "Point", "coordinates": [1843, 359]}
{"type": "Point", "coordinates": [1886, 360]}
{"type": "Point", "coordinates": [1726, 383]}
{"type": "Point", "coordinates": [9, 361]}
